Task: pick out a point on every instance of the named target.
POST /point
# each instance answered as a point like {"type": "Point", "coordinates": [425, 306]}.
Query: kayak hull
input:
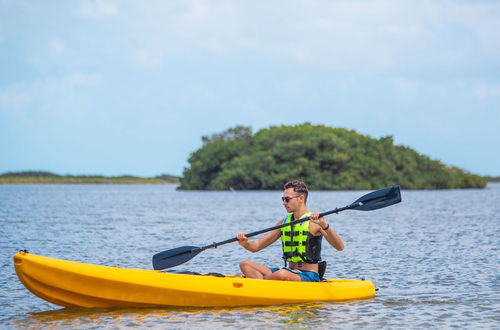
{"type": "Point", "coordinates": [75, 284]}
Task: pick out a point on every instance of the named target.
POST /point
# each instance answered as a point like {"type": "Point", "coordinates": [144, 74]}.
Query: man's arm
{"type": "Point", "coordinates": [266, 240]}
{"type": "Point", "coordinates": [321, 226]}
{"type": "Point", "coordinates": [333, 238]}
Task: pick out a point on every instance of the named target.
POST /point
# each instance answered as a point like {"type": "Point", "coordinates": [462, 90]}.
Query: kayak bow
{"type": "Point", "coordinates": [75, 284]}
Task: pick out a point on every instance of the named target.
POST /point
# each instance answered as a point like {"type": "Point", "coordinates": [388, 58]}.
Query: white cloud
{"type": "Point", "coordinates": [83, 79]}
{"type": "Point", "coordinates": [365, 35]}
{"type": "Point", "coordinates": [97, 9]}
{"type": "Point", "coordinates": [146, 59]}
{"type": "Point", "coordinates": [13, 98]}
{"type": "Point", "coordinates": [485, 91]}
{"type": "Point", "coordinates": [57, 47]}
{"type": "Point", "coordinates": [49, 95]}
{"type": "Point", "coordinates": [48, 53]}
{"type": "Point", "coordinates": [407, 88]}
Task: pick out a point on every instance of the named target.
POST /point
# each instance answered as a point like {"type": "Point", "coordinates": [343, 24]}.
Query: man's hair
{"type": "Point", "coordinates": [299, 187]}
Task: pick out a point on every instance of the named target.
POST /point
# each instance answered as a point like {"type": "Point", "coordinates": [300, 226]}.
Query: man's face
{"type": "Point", "coordinates": [291, 200]}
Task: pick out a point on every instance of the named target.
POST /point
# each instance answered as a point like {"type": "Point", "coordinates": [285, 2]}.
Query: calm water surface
{"type": "Point", "coordinates": [434, 257]}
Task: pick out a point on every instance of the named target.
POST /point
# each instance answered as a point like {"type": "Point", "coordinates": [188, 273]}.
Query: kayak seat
{"type": "Point", "coordinates": [215, 274]}
{"type": "Point", "coordinates": [200, 274]}
{"type": "Point", "coordinates": [321, 269]}
{"type": "Point", "coordinates": [186, 272]}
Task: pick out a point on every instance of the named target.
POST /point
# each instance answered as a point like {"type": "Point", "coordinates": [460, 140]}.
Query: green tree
{"type": "Point", "coordinates": [326, 158]}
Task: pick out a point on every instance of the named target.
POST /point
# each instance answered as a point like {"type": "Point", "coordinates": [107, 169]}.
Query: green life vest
{"type": "Point", "coordinates": [299, 245]}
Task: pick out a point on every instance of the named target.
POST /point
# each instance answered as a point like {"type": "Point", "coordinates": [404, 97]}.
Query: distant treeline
{"type": "Point", "coordinates": [326, 158]}
{"type": "Point", "coordinates": [29, 177]}
{"type": "Point", "coordinates": [492, 178]}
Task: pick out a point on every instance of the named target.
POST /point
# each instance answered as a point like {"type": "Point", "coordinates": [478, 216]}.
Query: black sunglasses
{"type": "Point", "coordinates": [287, 199]}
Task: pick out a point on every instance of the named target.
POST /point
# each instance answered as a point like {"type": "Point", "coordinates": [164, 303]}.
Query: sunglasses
{"type": "Point", "coordinates": [287, 199]}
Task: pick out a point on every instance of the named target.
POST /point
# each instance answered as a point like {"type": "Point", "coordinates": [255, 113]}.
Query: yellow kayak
{"type": "Point", "coordinates": [75, 284]}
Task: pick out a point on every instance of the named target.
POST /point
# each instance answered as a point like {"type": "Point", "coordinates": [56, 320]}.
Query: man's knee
{"type": "Point", "coordinates": [245, 264]}
{"type": "Point", "coordinates": [284, 275]}
{"type": "Point", "coordinates": [281, 275]}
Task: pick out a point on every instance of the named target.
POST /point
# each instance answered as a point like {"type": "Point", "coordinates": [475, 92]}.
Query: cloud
{"type": "Point", "coordinates": [146, 58]}
{"type": "Point", "coordinates": [407, 88]}
{"type": "Point", "coordinates": [49, 95]}
{"type": "Point", "coordinates": [13, 98]}
{"type": "Point", "coordinates": [363, 36]}
{"type": "Point", "coordinates": [76, 79]}
{"type": "Point", "coordinates": [487, 91]}
{"type": "Point", "coordinates": [97, 9]}
{"type": "Point", "coordinates": [49, 53]}
{"type": "Point", "coordinates": [57, 47]}
{"type": "Point", "coordinates": [346, 36]}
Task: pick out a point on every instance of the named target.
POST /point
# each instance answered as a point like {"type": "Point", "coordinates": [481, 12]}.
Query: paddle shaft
{"type": "Point", "coordinates": [255, 233]}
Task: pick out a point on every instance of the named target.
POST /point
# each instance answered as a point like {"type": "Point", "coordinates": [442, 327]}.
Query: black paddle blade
{"type": "Point", "coordinates": [379, 199]}
{"type": "Point", "coordinates": [174, 257]}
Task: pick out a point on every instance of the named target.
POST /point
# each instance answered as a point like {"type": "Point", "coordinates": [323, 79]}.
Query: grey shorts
{"type": "Point", "coordinates": [305, 275]}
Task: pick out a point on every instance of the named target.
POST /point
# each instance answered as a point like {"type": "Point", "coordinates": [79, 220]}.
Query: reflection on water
{"type": "Point", "coordinates": [299, 314]}
{"type": "Point", "coordinates": [425, 310]}
{"type": "Point", "coordinates": [434, 257]}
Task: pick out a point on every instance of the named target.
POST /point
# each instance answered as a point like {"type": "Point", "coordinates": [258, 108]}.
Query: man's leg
{"type": "Point", "coordinates": [283, 275]}
{"type": "Point", "coordinates": [253, 270]}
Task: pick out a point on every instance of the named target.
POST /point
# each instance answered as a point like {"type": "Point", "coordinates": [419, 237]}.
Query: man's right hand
{"type": "Point", "coordinates": [242, 239]}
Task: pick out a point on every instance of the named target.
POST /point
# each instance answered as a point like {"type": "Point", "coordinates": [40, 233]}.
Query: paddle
{"type": "Point", "coordinates": [371, 201]}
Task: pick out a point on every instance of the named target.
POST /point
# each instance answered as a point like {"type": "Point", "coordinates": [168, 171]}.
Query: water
{"type": "Point", "coordinates": [434, 257]}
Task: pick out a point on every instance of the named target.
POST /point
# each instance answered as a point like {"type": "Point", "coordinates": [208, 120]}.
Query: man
{"type": "Point", "coordinates": [301, 244]}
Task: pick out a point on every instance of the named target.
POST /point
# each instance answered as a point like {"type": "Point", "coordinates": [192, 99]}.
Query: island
{"type": "Point", "coordinates": [326, 158]}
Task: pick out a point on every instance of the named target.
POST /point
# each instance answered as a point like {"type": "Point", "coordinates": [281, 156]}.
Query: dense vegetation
{"type": "Point", "coordinates": [324, 157]}
{"type": "Point", "coordinates": [47, 177]}
{"type": "Point", "coordinates": [492, 178]}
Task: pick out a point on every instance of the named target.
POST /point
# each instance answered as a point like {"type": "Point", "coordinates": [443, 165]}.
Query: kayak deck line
{"type": "Point", "coordinates": [76, 284]}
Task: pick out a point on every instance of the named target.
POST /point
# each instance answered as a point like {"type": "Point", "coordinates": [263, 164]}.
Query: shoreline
{"type": "Point", "coordinates": [50, 178]}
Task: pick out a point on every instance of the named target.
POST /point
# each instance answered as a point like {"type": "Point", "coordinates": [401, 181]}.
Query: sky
{"type": "Point", "coordinates": [130, 87]}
